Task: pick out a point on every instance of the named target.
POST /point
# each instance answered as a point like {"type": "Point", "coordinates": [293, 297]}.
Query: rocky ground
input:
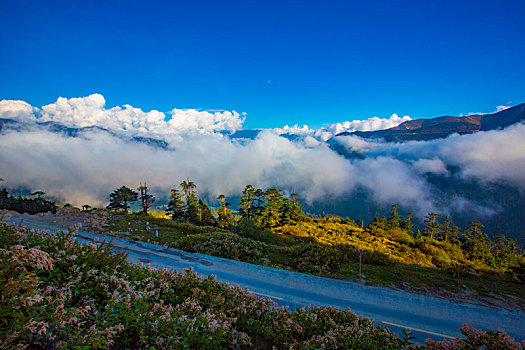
{"type": "Point", "coordinates": [95, 221]}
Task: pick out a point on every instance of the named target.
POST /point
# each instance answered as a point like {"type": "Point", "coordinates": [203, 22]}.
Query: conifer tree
{"type": "Point", "coordinates": [444, 230]}
{"type": "Point", "coordinates": [477, 244]}
{"type": "Point", "coordinates": [226, 219]}
{"type": "Point", "coordinates": [407, 224]}
{"type": "Point", "coordinates": [297, 210]}
{"type": "Point", "coordinates": [258, 206]}
{"type": "Point", "coordinates": [193, 212]}
{"type": "Point", "coordinates": [431, 227]}
{"type": "Point", "coordinates": [394, 220]}
{"type": "Point", "coordinates": [206, 217]}
{"type": "Point", "coordinates": [247, 203]}
{"type": "Point", "coordinates": [271, 216]}
{"type": "Point", "coordinates": [121, 198]}
{"type": "Point", "coordinates": [175, 205]}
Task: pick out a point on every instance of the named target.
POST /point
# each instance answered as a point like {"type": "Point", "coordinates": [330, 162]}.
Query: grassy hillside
{"type": "Point", "coordinates": [330, 247]}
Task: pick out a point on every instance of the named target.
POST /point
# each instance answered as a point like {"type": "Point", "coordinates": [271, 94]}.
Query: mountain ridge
{"type": "Point", "coordinates": [441, 127]}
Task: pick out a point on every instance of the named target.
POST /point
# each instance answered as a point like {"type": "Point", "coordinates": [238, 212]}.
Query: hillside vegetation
{"type": "Point", "coordinates": [58, 293]}
{"type": "Point", "coordinates": [271, 229]}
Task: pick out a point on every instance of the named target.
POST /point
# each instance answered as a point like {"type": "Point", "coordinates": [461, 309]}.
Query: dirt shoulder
{"type": "Point", "coordinates": [510, 303]}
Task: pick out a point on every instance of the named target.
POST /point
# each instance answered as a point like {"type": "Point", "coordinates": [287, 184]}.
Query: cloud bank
{"type": "Point", "coordinates": [84, 170]}
{"type": "Point", "coordinates": [90, 111]}
{"type": "Point", "coordinates": [325, 133]}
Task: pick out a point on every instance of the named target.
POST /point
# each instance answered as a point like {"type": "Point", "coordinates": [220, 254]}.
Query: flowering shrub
{"type": "Point", "coordinates": [58, 293]}
{"type": "Point", "coordinates": [477, 339]}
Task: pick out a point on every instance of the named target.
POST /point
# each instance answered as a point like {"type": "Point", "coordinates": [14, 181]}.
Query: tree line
{"type": "Point", "coordinates": [266, 208]}
{"type": "Point", "coordinates": [33, 205]}
{"type": "Point", "coordinates": [500, 252]}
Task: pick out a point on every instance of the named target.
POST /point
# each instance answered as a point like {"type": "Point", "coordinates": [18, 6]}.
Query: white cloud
{"type": "Point", "coordinates": [369, 124]}
{"type": "Point", "coordinates": [432, 166]}
{"type": "Point", "coordinates": [498, 109]}
{"type": "Point", "coordinates": [84, 170]}
{"type": "Point", "coordinates": [489, 156]}
{"type": "Point", "coordinates": [356, 143]}
{"type": "Point", "coordinates": [91, 111]}
{"type": "Point", "coordinates": [392, 181]}
{"type": "Point", "coordinates": [502, 108]}
{"type": "Point", "coordinates": [18, 110]}
{"type": "Point", "coordinates": [326, 133]}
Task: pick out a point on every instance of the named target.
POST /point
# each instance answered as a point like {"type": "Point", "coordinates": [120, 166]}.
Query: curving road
{"type": "Point", "coordinates": [425, 316]}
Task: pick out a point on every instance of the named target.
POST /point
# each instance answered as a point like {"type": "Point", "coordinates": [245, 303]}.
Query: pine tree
{"type": "Point", "coordinates": [226, 219]}
{"type": "Point", "coordinates": [477, 243]}
{"type": "Point", "coordinates": [296, 209]}
{"type": "Point", "coordinates": [207, 218]}
{"type": "Point", "coordinates": [258, 206]}
{"type": "Point", "coordinates": [193, 212]}
{"type": "Point", "coordinates": [271, 216]}
{"type": "Point", "coordinates": [377, 225]}
{"type": "Point", "coordinates": [121, 197]}
{"type": "Point", "coordinates": [445, 230]}
{"type": "Point", "coordinates": [407, 224]}
{"type": "Point", "coordinates": [394, 220]}
{"type": "Point", "coordinates": [188, 188]}
{"type": "Point", "coordinates": [175, 205]}
{"type": "Point", "coordinates": [247, 203]}
{"type": "Point", "coordinates": [431, 227]}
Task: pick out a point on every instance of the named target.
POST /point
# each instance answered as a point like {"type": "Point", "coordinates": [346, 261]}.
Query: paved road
{"type": "Point", "coordinates": [426, 317]}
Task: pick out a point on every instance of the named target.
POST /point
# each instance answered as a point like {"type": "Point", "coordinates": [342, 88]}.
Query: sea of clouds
{"type": "Point", "coordinates": [85, 169]}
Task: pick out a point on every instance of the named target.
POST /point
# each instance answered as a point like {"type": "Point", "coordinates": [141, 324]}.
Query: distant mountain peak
{"type": "Point", "coordinates": [441, 127]}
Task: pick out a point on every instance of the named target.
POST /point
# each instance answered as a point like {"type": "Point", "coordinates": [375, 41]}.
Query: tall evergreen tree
{"type": "Point", "coordinates": [431, 227]}
{"type": "Point", "coordinates": [175, 205]}
{"type": "Point", "coordinates": [193, 212]}
{"type": "Point", "coordinates": [271, 216]}
{"type": "Point", "coordinates": [377, 224]}
{"type": "Point", "coordinates": [296, 208]}
{"type": "Point", "coordinates": [258, 205]}
{"type": "Point", "coordinates": [225, 219]}
{"type": "Point", "coordinates": [477, 243]}
{"type": "Point", "coordinates": [121, 198]}
{"type": "Point", "coordinates": [394, 220]}
{"type": "Point", "coordinates": [445, 230]}
{"type": "Point", "coordinates": [207, 218]}
{"type": "Point", "coordinates": [188, 188]}
{"type": "Point", "coordinates": [407, 224]}
{"type": "Point", "coordinates": [247, 203]}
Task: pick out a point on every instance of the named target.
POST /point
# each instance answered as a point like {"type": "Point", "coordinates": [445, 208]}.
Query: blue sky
{"type": "Point", "coordinates": [281, 62]}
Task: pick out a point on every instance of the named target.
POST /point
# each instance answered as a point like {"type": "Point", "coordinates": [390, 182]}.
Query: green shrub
{"type": "Point", "coordinates": [224, 245]}
{"type": "Point", "coordinates": [249, 229]}
{"type": "Point", "coordinates": [376, 257]}
{"type": "Point", "coordinates": [453, 250]}
{"type": "Point", "coordinates": [399, 235]}
{"type": "Point", "coordinates": [440, 258]}
{"type": "Point", "coordinates": [315, 258]}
